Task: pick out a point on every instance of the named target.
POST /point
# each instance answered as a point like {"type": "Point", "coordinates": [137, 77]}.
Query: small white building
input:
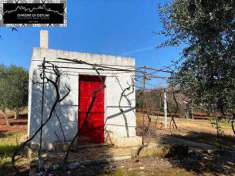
{"type": "Point", "coordinates": [111, 118]}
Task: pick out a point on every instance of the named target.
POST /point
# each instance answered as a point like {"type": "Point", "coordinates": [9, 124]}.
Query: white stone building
{"type": "Point", "coordinates": [112, 117]}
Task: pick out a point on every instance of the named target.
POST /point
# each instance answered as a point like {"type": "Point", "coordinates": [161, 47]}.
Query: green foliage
{"type": "Point", "coordinates": [149, 100]}
{"type": "Point", "coordinates": [139, 100]}
{"type": "Point", "coordinates": [152, 101]}
{"type": "Point", "coordinates": [13, 87]}
{"type": "Point", "coordinates": [207, 70]}
{"type": "Point", "coordinates": [8, 144]}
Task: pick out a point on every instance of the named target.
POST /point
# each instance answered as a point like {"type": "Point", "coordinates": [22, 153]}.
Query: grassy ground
{"type": "Point", "coordinates": [202, 131]}
{"type": "Point", "coordinates": [197, 163]}
{"type": "Point", "coordinates": [151, 166]}
{"type": "Point", "coordinates": [186, 125]}
{"type": "Point", "coordinates": [194, 130]}
{"type": "Point", "coordinates": [157, 172]}
{"type": "Point", "coordinates": [8, 143]}
{"type": "Point", "coordinates": [203, 126]}
{"type": "Point", "coordinates": [151, 172]}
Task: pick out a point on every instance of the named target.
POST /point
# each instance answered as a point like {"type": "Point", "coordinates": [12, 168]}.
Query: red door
{"type": "Point", "coordinates": [91, 109]}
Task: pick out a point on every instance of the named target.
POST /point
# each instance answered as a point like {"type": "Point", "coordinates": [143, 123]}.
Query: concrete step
{"type": "Point", "coordinates": [82, 146]}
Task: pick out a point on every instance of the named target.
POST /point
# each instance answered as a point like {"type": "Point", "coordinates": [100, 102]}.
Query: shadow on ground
{"type": "Point", "coordinates": [84, 161]}
{"type": "Point", "coordinates": [199, 152]}
{"type": "Point", "coordinates": [5, 134]}
{"type": "Point", "coordinates": [8, 144]}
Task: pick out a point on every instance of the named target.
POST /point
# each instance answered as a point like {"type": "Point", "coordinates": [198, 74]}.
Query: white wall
{"type": "Point", "coordinates": [67, 110]}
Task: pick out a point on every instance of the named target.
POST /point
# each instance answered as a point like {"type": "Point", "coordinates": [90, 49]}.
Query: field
{"type": "Point", "coordinates": [10, 138]}
{"type": "Point", "coordinates": [9, 142]}
{"type": "Point", "coordinates": [203, 157]}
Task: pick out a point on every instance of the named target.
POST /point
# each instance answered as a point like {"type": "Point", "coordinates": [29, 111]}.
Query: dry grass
{"type": "Point", "coordinates": [202, 126]}
{"type": "Point", "coordinates": [194, 130]}
{"type": "Point", "coordinates": [185, 126]}
{"type": "Point", "coordinates": [9, 142]}
{"type": "Point", "coordinates": [151, 172]}
{"type": "Point", "coordinates": [202, 159]}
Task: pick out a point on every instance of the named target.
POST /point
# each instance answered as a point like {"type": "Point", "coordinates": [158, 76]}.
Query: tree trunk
{"type": "Point", "coordinates": [233, 121]}
{"type": "Point", "coordinates": [16, 113]}
{"type": "Point", "coordinates": [6, 118]}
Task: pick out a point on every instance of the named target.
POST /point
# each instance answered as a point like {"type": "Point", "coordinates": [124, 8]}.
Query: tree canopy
{"type": "Point", "coordinates": [207, 67]}
{"type": "Point", "coordinates": [13, 87]}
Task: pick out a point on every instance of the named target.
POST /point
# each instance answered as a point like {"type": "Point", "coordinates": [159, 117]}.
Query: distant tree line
{"type": "Point", "coordinates": [13, 89]}
{"type": "Point", "coordinates": [153, 101]}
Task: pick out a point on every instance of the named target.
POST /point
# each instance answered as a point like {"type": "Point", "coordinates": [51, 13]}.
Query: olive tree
{"type": "Point", "coordinates": [206, 72]}
{"type": "Point", "coordinates": [13, 89]}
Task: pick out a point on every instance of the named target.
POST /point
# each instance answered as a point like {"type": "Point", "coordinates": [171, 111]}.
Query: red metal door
{"type": "Point", "coordinates": [91, 109]}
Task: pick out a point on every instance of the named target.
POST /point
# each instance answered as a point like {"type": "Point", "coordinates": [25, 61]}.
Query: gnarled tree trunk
{"type": "Point", "coordinates": [5, 117]}
{"type": "Point", "coordinates": [16, 116]}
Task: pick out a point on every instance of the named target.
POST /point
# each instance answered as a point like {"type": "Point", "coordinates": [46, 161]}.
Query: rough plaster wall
{"type": "Point", "coordinates": [66, 110]}
{"type": "Point", "coordinates": [115, 82]}
{"type": "Point", "coordinates": [115, 121]}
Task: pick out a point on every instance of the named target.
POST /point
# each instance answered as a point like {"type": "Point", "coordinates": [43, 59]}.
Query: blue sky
{"type": "Point", "coordinates": [116, 27]}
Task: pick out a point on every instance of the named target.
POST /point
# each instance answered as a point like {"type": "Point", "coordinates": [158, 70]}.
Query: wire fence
{"type": "Point", "coordinates": [51, 73]}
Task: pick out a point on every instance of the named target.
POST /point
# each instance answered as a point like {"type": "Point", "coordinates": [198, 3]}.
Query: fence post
{"type": "Point", "coordinates": [143, 110]}
{"type": "Point", "coordinates": [165, 108]}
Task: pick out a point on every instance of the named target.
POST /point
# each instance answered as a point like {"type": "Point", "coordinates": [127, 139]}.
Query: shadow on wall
{"type": "Point", "coordinates": [62, 124]}
{"type": "Point", "coordinates": [61, 128]}
{"type": "Point", "coordinates": [198, 152]}
{"type": "Point", "coordinates": [124, 107]}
